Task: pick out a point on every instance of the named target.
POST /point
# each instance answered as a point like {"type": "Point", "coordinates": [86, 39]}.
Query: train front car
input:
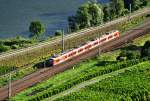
{"type": "Point", "coordinates": [86, 47]}
{"type": "Point", "coordinates": [116, 34]}
{"type": "Point", "coordinates": [49, 62]}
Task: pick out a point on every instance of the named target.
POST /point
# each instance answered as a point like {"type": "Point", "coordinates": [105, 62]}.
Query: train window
{"type": "Point", "coordinates": [70, 54]}
{"type": "Point", "coordinates": [64, 57]}
{"type": "Point", "coordinates": [103, 40]}
{"type": "Point", "coordinates": [88, 46]}
{"type": "Point", "coordinates": [73, 53]}
{"type": "Point", "coordinates": [95, 43]}
{"type": "Point", "coordinates": [116, 34]}
{"type": "Point", "coordinates": [109, 37]}
{"type": "Point", "coordinates": [80, 50]}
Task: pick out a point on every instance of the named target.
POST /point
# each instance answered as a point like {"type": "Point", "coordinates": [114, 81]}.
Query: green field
{"type": "Point", "coordinates": [68, 79]}
{"type": "Point", "coordinates": [133, 85]}
{"type": "Point", "coordinates": [88, 69]}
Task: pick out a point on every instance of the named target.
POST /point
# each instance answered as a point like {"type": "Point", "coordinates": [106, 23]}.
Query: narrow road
{"type": "Point", "coordinates": [88, 83]}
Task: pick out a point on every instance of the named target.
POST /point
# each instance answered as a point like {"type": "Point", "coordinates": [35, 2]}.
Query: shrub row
{"type": "Point", "coordinates": [133, 85]}
{"type": "Point", "coordinates": [86, 76]}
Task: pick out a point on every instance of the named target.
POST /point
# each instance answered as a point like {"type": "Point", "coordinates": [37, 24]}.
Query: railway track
{"type": "Point", "coordinates": [45, 73]}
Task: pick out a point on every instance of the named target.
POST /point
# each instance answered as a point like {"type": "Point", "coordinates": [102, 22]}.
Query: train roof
{"type": "Point", "coordinates": [107, 33]}
{"type": "Point", "coordinates": [60, 54]}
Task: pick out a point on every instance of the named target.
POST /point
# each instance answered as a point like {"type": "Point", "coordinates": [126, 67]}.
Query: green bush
{"type": "Point", "coordinates": [133, 55]}
{"type": "Point", "coordinates": [58, 33]}
{"type": "Point", "coordinates": [4, 48]}
{"type": "Point", "coordinates": [145, 52]}
{"type": "Point", "coordinates": [6, 69]}
{"type": "Point", "coordinates": [14, 47]}
{"type": "Point", "coordinates": [126, 54]}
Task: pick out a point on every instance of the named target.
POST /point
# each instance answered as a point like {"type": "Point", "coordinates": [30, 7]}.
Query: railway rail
{"type": "Point", "coordinates": [45, 73]}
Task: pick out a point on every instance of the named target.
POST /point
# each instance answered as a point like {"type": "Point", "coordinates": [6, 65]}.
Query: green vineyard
{"type": "Point", "coordinates": [42, 92]}
{"type": "Point", "coordinates": [133, 85]}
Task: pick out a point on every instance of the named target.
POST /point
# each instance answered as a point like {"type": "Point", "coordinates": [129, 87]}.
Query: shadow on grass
{"type": "Point", "coordinates": [132, 48]}
{"type": "Point", "coordinates": [105, 63]}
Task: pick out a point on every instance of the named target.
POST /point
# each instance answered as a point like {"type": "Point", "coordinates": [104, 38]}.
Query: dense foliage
{"type": "Point", "coordinates": [93, 14]}
{"type": "Point", "coordinates": [89, 14]}
{"type": "Point", "coordinates": [58, 33]}
{"type": "Point", "coordinates": [6, 69]}
{"type": "Point", "coordinates": [14, 43]}
{"type": "Point", "coordinates": [137, 53]}
{"type": "Point", "coordinates": [129, 55]}
{"type": "Point", "coordinates": [36, 28]}
{"type": "Point", "coordinates": [145, 52]}
{"type": "Point", "coordinates": [135, 4]}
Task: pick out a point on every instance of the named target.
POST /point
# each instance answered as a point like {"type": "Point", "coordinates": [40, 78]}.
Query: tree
{"type": "Point", "coordinates": [118, 7]}
{"type": "Point", "coordinates": [88, 14]}
{"type": "Point", "coordinates": [106, 11]}
{"type": "Point", "coordinates": [135, 4]}
{"type": "Point", "coordinates": [58, 33]}
{"type": "Point", "coordinates": [37, 29]}
{"type": "Point", "coordinates": [128, 55]}
{"type": "Point", "coordinates": [144, 2]}
{"type": "Point", "coordinates": [72, 22]}
{"type": "Point", "coordinates": [83, 16]}
{"type": "Point", "coordinates": [96, 13]}
{"type": "Point", "coordinates": [112, 11]}
{"type": "Point", "coordinates": [145, 52]}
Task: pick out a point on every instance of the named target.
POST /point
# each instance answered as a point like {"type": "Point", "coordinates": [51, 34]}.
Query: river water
{"type": "Point", "coordinates": [16, 15]}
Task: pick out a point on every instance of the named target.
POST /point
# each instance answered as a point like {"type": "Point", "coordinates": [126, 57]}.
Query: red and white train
{"type": "Point", "coordinates": [80, 50]}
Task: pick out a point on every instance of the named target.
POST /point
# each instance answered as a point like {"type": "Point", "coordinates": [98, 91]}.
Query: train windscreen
{"type": "Point", "coordinates": [49, 62]}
